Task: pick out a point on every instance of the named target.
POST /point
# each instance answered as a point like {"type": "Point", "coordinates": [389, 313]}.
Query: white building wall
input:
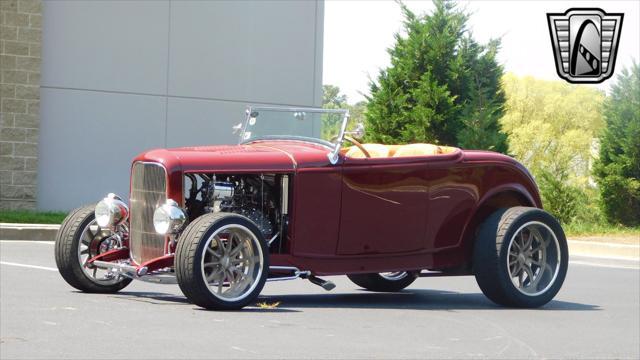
{"type": "Point", "coordinates": [121, 77]}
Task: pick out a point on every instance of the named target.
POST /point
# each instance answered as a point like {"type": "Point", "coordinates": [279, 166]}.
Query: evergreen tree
{"type": "Point", "coordinates": [485, 99]}
{"type": "Point", "coordinates": [618, 169]}
{"type": "Point", "coordinates": [442, 87]}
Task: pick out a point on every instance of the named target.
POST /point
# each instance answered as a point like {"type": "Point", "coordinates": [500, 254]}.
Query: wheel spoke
{"type": "Point", "coordinates": [210, 264]}
{"type": "Point", "coordinates": [247, 261]}
{"type": "Point", "coordinates": [516, 245]}
{"type": "Point", "coordinates": [528, 241]}
{"type": "Point", "coordinates": [537, 263]}
{"type": "Point", "coordinates": [86, 238]}
{"type": "Point", "coordinates": [248, 278]}
{"type": "Point", "coordinates": [214, 276]}
{"type": "Point", "coordinates": [218, 242]}
{"type": "Point", "coordinates": [523, 241]}
{"type": "Point", "coordinates": [529, 272]}
{"type": "Point", "coordinates": [213, 253]}
{"type": "Point", "coordinates": [513, 265]}
{"type": "Point", "coordinates": [541, 272]}
{"type": "Point", "coordinates": [230, 276]}
{"type": "Point", "coordinates": [238, 248]}
{"type": "Point", "coordinates": [517, 270]}
{"type": "Point", "coordinates": [545, 275]}
{"type": "Point", "coordinates": [538, 247]}
{"type": "Point", "coordinates": [224, 244]}
{"type": "Point", "coordinates": [237, 275]}
{"type": "Point", "coordinates": [520, 278]}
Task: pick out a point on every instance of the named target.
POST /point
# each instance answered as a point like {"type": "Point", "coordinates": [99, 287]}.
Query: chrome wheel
{"type": "Point", "coordinates": [394, 276]}
{"type": "Point", "coordinates": [534, 258]}
{"type": "Point", "coordinates": [232, 262]}
{"type": "Point", "coordinates": [95, 240]}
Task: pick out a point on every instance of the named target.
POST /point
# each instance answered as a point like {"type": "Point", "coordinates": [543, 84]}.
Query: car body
{"type": "Point", "coordinates": [320, 208]}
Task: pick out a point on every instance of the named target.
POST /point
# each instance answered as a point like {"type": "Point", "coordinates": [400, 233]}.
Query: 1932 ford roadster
{"type": "Point", "coordinates": [293, 201]}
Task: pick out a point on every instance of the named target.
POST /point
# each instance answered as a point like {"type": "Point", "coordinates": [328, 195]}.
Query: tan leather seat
{"type": "Point", "coordinates": [417, 150]}
{"type": "Point", "coordinates": [383, 151]}
{"type": "Point", "coordinates": [375, 150]}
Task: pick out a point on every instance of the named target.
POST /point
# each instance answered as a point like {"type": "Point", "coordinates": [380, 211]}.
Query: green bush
{"type": "Point", "coordinates": [559, 198]}
{"type": "Point", "coordinates": [618, 168]}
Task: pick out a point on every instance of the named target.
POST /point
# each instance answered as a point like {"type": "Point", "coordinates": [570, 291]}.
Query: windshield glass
{"type": "Point", "coordinates": [316, 125]}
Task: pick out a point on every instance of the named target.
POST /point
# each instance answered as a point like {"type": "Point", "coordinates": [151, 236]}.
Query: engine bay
{"type": "Point", "coordinates": [262, 198]}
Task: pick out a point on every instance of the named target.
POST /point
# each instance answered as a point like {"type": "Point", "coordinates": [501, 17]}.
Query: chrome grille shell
{"type": "Point", "coordinates": [148, 191]}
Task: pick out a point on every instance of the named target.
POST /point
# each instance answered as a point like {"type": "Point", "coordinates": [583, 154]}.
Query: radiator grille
{"type": "Point", "coordinates": [148, 191]}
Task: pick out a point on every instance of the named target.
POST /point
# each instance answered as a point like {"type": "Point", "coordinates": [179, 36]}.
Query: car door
{"type": "Point", "coordinates": [384, 206]}
{"type": "Point", "coordinates": [453, 194]}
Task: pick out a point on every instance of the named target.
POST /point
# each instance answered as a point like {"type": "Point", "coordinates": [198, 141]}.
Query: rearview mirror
{"type": "Point", "coordinates": [358, 132]}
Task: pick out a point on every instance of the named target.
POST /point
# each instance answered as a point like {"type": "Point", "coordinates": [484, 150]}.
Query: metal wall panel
{"type": "Point", "coordinates": [260, 51]}
{"type": "Point", "coordinates": [87, 142]}
{"type": "Point", "coordinates": [106, 45]}
{"type": "Point", "coordinates": [121, 77]}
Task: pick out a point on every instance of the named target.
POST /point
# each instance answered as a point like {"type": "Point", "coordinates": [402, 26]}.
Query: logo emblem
{"type": "Point", "coordinates": [585, 43]}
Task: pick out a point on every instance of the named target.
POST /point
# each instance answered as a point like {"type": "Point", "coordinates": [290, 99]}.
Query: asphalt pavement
{"type": "Point", "coordinates": [595, 315]}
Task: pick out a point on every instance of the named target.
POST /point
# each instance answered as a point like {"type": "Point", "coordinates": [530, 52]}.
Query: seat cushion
{"type": "Point", "coordinates": [375, 150]}
{"type": "Point", "coordinates": [382, 151]}
{"type": "Point", "coordinates": [417, 150]}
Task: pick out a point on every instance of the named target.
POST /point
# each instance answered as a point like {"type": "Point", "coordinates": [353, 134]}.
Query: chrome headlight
{"type": "Point", "coordinates": [111, 211]}
{"type": "Point", "coordinates": [169, 218]}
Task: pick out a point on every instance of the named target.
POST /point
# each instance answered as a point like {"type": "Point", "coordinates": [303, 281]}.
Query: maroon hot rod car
{"type": "Point", "coordinates": [292, 200]}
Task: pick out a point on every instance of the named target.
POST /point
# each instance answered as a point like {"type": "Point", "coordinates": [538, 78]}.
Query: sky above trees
{"type": "Point", "coordinates": [357, 34]}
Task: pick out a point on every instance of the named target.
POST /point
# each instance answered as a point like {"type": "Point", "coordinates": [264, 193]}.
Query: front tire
{"type": "Point", "coordinates": [79, 239]}
{"type": "Point", "coordinates": [222, 261]}
{"type": "Point", "coordinates": [384, 282]}
{"type": "Point", "coordinates": [520, 257]}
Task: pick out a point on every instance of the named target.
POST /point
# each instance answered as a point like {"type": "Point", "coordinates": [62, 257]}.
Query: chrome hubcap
{"type": "Point", "coordinates": [232, 262]}
{"type": "Point", "coordinates": [95, 240]}
{"type": "Point", "coordinates": [534, 258]}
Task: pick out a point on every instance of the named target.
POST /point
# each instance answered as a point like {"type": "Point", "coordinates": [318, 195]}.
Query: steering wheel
{"type": "Point", "coordinates": [354, 142]}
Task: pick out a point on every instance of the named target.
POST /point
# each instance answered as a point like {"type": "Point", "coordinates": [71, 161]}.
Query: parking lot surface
{"type": "Point", "coordinates": [595, 315]}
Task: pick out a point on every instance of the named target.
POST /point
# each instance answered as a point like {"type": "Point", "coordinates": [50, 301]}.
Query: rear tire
{"type": "Point", "coordinates": [384, 282]}
{"type": "Point", "coordinates": [222, 261]}
{"type": "Point", "coordinates": [520, 257]}
{"type": "Point", "coordinates": [67, 253]}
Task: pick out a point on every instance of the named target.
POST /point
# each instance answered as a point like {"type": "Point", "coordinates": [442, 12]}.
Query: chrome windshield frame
{"type": "Point", "coordinates": [333, 154]}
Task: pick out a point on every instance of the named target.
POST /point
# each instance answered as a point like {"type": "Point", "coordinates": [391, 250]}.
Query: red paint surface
{"type": "Point", "coordinates": [111, 255]}
{"type": "Point", "coordinates": [367, 215]}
